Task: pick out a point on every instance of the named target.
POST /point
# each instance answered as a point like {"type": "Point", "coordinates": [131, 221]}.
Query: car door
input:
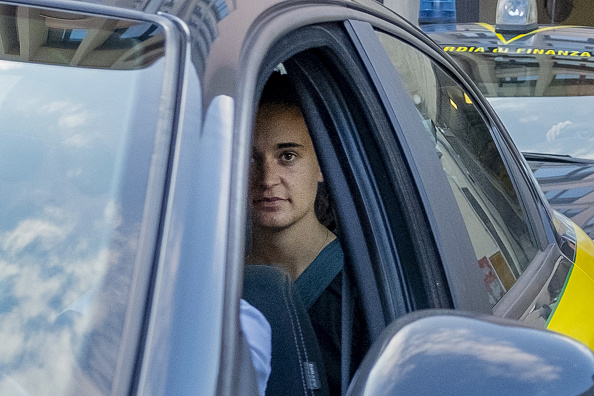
{"type": "Point", "coordinates": [103, 144]}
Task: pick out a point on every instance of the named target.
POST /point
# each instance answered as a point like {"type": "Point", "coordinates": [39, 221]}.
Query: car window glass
{"type": "Point", "coordinates": [79, 99]}
{"type": "Point", "coordinates": [474, 167]}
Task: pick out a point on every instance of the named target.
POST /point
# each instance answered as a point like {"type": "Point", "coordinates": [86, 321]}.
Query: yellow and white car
{"type": "Point", "coordinates": [540, 82]}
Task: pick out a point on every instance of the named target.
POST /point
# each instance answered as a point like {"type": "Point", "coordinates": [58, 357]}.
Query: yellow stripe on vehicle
{"type": "Point", "coordinates": [491, 28]}
{"type": "Point", "coordinates": [574, 313]}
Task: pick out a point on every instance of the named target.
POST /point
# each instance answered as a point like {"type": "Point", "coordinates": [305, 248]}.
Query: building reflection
{"type": "Point", "coordinates": [569, 189]}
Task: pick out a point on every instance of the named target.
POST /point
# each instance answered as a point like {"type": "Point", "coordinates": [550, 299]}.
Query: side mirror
{"type": "Point", "coordinates": [449, 352]}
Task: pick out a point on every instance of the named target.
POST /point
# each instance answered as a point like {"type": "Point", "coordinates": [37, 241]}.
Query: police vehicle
{"type": "Point", "coordinates": [540, 81]}
{"type": "Point", "coordinates": [125, 146]}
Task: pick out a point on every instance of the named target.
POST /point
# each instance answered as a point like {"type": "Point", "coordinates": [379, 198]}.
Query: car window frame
{"type": "Point", "coordinates": [511, 228]}
{"type": "Point", "coordinates": [255, 49]}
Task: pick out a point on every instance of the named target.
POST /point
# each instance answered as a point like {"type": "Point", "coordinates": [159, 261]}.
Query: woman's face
{"type": "Point", "coordinates": [285, 173]}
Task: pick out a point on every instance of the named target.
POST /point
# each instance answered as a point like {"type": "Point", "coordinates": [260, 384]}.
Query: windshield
{"type": "Point", "coordinates": [546, 101]}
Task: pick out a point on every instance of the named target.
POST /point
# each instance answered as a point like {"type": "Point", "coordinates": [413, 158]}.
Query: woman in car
{"type": "Point", "coordinates": [286, 233]}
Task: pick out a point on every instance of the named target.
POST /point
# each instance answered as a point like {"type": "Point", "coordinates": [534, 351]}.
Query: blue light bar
{"type": "Point", "coordinates": [437, 11]}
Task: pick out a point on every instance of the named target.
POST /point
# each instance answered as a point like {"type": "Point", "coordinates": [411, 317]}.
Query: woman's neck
{"type": "Point", "coordinates": [292, 249]}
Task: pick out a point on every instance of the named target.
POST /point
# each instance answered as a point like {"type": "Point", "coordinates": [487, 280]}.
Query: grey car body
{"type": "Point", "coordinates": [127, 140]}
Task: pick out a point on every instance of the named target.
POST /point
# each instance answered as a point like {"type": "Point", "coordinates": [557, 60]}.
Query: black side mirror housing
{"type": "Point", "coordinates": [450, 352]}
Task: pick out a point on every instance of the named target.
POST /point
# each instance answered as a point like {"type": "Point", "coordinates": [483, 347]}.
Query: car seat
{"type": "Point", "coordinates": [297, 365]}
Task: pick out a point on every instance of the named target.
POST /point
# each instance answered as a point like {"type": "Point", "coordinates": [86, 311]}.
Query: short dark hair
{"type": "Point", "coordinates": [279, 90]}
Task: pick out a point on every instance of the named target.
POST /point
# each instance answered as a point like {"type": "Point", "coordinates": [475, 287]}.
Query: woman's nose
{"type": "Point", "coordinates": [267, 174]}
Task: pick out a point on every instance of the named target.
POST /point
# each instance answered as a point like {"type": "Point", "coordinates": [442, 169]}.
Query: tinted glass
{"type": "Point", "coordinates": [474, 167]}
{"type": "Point", "coordinates": [75, 153]}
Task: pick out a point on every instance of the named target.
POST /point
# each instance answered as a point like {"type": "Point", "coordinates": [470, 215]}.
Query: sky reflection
{"type": "Point", "coordinates": [63, 150]}
{"type": "Point", "coordinates": [476, 357]}
{"type": "Point", "coordinates": [553, 125]}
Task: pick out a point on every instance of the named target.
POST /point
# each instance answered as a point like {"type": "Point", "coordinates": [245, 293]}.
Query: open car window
{"type": "Point", "coordinates": [390, 263]}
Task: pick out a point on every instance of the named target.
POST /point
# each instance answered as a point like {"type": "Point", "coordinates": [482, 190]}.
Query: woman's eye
{"type": "Point", "coordinates": [288, 156]}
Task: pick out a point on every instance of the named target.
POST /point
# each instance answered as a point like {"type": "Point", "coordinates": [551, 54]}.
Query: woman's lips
{"type": "Point", "coordinates": [269, 202]}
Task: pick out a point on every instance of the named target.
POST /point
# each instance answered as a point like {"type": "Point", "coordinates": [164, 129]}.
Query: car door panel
{"type": "Point", "coordinates": [95, 175]}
